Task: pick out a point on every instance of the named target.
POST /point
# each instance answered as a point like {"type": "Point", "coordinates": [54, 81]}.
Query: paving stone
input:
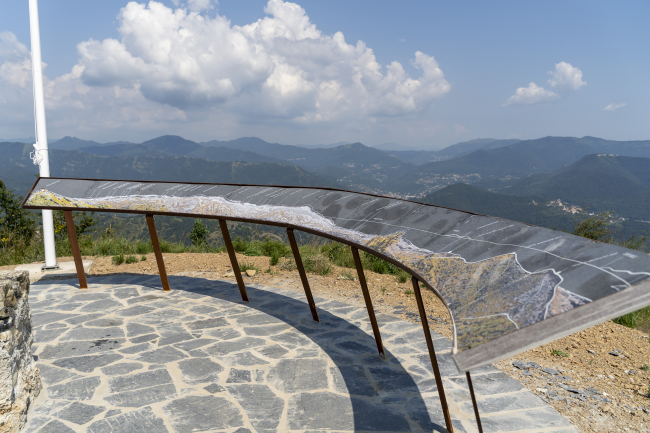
{"type": "Point", "coordinates": [104, 305]}
{"type": "Point", "coordinates": [239, 376]}
{"type": "Point", "coordinates": [223, 334]}
{"type": "Point", "coordinates": [352, 379]}
{"type": "Point", "coordinates": [208, 323]}
{"type": "Point", "coordinates": [144, 338]}
{"type": "Point", "coordinates": [390, 379]}
{"type": "Point", "coordinates": [523, 419]}
{"type": "Point", "coordinates": [139, 380]}
{"type": "Point", "coordinates": [275, 351]}
{"type": "Point", "coordinates": [145, 298]}
{"type": "Point", "coordinates": [45, 336]}
{"type": "Point", "coordinates": [261, 405]}
{"type": "Point", "coordinates": [242, 430]}
{"type": "Point", "coordinates": [496, 383]}
{"type": "Point", "coordinates": [112, 412]}
{"type": "Point", "coordinates": [164, 355]}
{"type": "Point", "coordinates": [35, 422]}
{"type": "Point", "coordinates": [226, 347]}
{"type": "Point", "coordinates": [201, 413]}
{"type": "Point", "coordinates": [265, 331]}
{"type": "Point", "coordinates": [52, 375]}
{"type": "Point", "coordinates": [79, 413]}
{"type": "Point", "coordinates": [55, 426]}
{"type": "Point", "coordinates": [137, 421]}
{"type": "Point", "coordinates": [291, 339]}
{"type": "Point", "coordinates": [134, 329]}
{"type": "Point", "coordinates": [50, 406]}
{"type": "Point", "coordinates": [142, 397]}
{"type": "Point", "coordinates": [163, 316]}
{"type": "Point", "coordinates": [87, 297]}
{"type": "Point", "coordinates": [77, 348]}
{"type": "Point", "coordinates": [298, 375]}
{"type": "Point", "coordinates": [354, 347]}
{"type": "Point", "coordinates": [89, 362]}
{"type": "Point", "coordinates": [258, 319]}
{"type": "Point", "coordinates": [325, 410]}
{"type": "Point", "coordinates": [137, 310]}
{"type": "Point", "coordinates": [214, 388]}
{"type": "Point", "coordinates": [128, 292]}
{"type": "Point", "coordinates": [246, 359]}
{"type": "Point", "coordinates": [122, 368]}
{"type": "Point", "coordinates": [40, 319]}
{"type": "Point", "coordinates": [137, 348]}
{"type": "Point", "coordinates": [79, 319]}
{"type": "Point", "coordinates": [194, 344]}
{"type": "Point", "coordinates": [105, 322]}
{"type": "Point", "coordinates": [199, 370]}
{"type": "Point", "coordinates": [79, 389]}
{"type": "Point", "coordinates": [78, 334]}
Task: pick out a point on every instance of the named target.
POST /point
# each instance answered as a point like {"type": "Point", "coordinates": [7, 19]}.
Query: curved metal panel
{"type": "Point", "coordinates": [508, 286]}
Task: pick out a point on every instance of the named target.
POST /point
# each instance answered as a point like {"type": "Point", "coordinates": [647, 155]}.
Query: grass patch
{"type": "Point", "coordinates": [645, 367]}
{"type": "Point", "coordinates": [243, 267]}
{"type": "Point", "coordinates": [409, 292]}
{"type": "Point", "coordinates": [347, 275]}
{"type": "Point", "coordinates": [131, 259]}
{"type": "Point", "coordinates": [143, 258]}
{"type": "Point", "coordinates": [639, 319]}
{"type": "Point", "coordinates": [118, 259]}
{"type": "Point", "coordinates": [559, 353]}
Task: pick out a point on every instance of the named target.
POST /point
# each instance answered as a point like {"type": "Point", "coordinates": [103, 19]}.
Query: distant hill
{"type": "Point", "coordinates": [71, 143]}
{"type": "Point", "coordinates": [528, 209]}
{"type": "Point", "coordinates": [517, 160]}
{"type": "Point", "coordinates": [420, 157]}
{"type": "Point", "coordinates": [601, 182]}
{"type": "Point", "coordinates": [18, 140]}
{"type": "Point", "coordinates": [17, 171]}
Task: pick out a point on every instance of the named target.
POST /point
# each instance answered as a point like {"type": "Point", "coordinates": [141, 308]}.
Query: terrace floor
{"type": "Point", "coordinates": [124, 356]}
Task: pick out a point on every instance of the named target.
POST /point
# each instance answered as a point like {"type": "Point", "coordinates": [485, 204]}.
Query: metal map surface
{"type": "Point", "coordinates": [508, 286]}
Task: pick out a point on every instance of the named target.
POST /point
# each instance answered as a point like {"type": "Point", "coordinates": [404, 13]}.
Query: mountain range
{"type": "Point", "coordinates": [513, 179]}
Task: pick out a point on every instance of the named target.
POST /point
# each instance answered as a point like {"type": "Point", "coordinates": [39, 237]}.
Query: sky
{"type": "Point", "coordinates": [419, 73]}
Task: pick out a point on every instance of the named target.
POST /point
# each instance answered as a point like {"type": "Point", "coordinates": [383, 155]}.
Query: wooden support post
{"type": "Point", "coordinates": [76, 253]}
{"type": "Point", "coordinates": [233, 259]}
{"type": "Point", "coordinates": [366, 297]}
{"type": "Point", "coordinates": [303, 275]}
{"type": "Point", "coordinates": [471, 391]}
{"type": "Point", "coordinates": [432, 355]}
{"type": "Point", "coordinates": [156, 249]}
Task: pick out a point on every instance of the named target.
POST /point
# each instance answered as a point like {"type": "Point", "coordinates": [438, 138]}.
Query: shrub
{"type": "Point", "coordinates": [199, 234]}
{"type": "Point", "coordinates": [347, 275]}
{"type": "Point", "coordinates": [559, 353]}
{"type": "Point", "coordinates": [143, 258]}
{"type": "Point", "coordinates": [243, 267]}
{"type": "Point", "coordinates": [118, 259]}
{"type": "Point", "coordinates": [131, 259]}
{"type": "Point", "coordinates": [317, 263]}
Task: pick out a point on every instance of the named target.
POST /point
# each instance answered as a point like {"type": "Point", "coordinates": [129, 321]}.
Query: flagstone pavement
{"type": "Point", "coordinates": [124, 356]}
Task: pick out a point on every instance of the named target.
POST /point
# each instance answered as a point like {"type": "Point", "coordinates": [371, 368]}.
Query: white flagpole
{"type": "Point", "coordinates": [41, 156]}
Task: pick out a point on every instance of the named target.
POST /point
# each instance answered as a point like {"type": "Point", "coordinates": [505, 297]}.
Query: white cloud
{"type": "Point", "coordinates": [614, 107]}
{"type": "Point", "coordinates": [566, 76]}
{"type": "Point", "coordinates": [564, 79]}
{"type": "Point", "coordinates": [533, 94]}
{"type": "Point", "coordinates": [183, 67]}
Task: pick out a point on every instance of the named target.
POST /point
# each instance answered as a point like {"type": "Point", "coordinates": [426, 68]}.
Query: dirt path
{"type": "Point", "coordinates": [602, 365]}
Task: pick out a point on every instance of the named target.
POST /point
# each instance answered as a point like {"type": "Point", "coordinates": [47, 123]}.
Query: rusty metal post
{"type": "Point", "coordinates": [156, 249]}
{"type": "Point", "coordinates": [233, 259]}
{"type": "Point", "coordinates": [76, 252]}
{"type": "Point", "coordinates": [366, 297]}
{"type": "Point", "coordinates": [432, 355]}
{"type": "Point", "coordinates": [471, 391]}
{"type": "Point", "coordinates": [303, 275]}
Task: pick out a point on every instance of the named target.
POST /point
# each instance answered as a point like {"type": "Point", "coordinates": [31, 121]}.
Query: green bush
{"type": "Point", "coordinates": [243, 267]}
{"type": "Point", "coordinates": [143, 258]}
{"type": "Point", "coordinates": [131, 259]}
{"type": "Point", "coordinates": [118, 259]}
{"type": "Point", "coordinates": [199, 234]}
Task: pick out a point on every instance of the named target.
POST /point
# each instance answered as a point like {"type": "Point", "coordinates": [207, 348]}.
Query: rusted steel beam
{"type": "Point", "coordinates": [156, 249]}
{"type": "Point", "coordinates": [471, 391]}
{"type": "Point", "coordinates": [366, 297]}
{"type": "Point", "coordinates": [233, 259]}
{"type": "Point", "coordinates": [76, 252]}
{"type": "Point", "coordinates": [303, 275]}
{"type": "Point", "coordinates": [432, 354]}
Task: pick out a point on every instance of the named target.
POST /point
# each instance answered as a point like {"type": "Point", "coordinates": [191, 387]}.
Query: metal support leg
{"type": "Point", "coordinates": [156, 249]}
{"type": "Point", "coordinates": [233, 260]}
{"type": "Point", "coordinates": [303, 275]}
{"type": "Point", "coordinates": [366, 297]}
{"type": "Point", "coordinates": [432, 355]}
{"type": "Point", "coordinates": [76, 253]}
{"type": "Point", "coordinates": [471, 391]}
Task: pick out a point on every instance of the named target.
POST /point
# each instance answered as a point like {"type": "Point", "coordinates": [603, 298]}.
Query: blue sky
{"type": "Point", "coordinates": [290, 79]}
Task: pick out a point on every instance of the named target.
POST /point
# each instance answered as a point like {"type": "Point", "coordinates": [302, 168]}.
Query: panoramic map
{"type": "Point", "coordinates": [496, 276]}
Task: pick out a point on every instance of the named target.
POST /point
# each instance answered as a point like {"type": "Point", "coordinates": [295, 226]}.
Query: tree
{"type": "Point", "coordinates": [14, 220]}
{"type": "Point", "coordinates": [199, 234]}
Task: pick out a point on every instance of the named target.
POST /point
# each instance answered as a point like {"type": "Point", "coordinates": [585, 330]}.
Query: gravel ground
{"type": "Point", "coordinates": [595, 379]}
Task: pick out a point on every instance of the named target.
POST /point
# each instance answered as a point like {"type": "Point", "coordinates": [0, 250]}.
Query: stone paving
{"type": "Point", "coordinates": [124, 356]}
